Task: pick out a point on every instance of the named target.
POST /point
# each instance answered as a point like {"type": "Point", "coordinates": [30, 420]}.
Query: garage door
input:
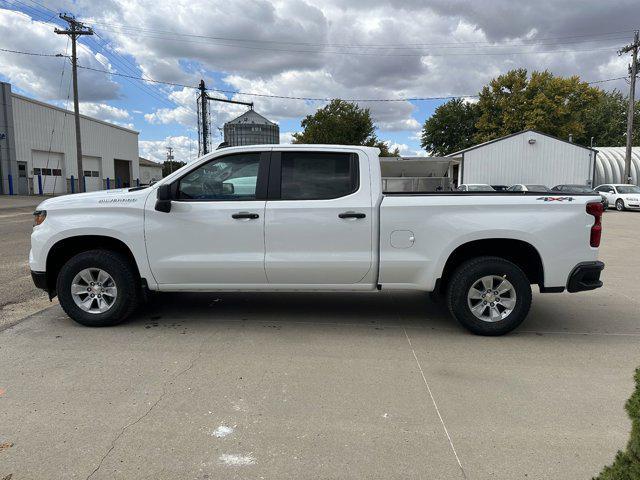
{"type": "Point", "coordinates": [50, 166]}
{"type": "Point", "coordinates": [92, 173]}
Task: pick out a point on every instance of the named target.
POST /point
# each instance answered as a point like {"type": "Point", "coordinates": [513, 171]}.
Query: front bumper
{"type": "Point", "coordinates": [40, 280]}
{"type": "Point", "coordinates": [585, 276]}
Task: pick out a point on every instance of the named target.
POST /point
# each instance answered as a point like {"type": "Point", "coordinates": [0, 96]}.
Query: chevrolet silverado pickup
{"type": "Point", "coordinates": [312, 218]}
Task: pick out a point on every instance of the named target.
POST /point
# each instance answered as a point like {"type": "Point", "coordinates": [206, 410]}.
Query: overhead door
{"type": "Point", "coordinates": [123, 173]}
{"type": "Point", "coordinates": [50, 167]}
{"type": "Point", "coordinates": [92, 174]}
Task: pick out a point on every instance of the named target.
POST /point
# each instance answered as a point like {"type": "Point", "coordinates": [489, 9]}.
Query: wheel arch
{"type": "Point", "coordinates": [519, 252]}
{"type": "Point", "coordinates": [66, 248]}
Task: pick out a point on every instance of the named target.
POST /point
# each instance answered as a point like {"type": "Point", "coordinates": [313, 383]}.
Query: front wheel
{"type": "Point", "coordinates": [98, 288]}
{"type": "Point", "coordinates": [620, 205]}
{"type": "Point", "coordinates": [489, 295]}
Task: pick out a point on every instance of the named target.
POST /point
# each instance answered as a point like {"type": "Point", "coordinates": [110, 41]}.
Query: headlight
{"type": "Point", "coordinates": [38, 217]}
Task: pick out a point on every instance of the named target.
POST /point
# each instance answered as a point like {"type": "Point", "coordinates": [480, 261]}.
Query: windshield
{"type": "Point", "coordinates": [480, 188]}
{"type": "Point", "coordinates": [628, 189]}
{"type": "Point", "coordinates": [578, 189]}
{"type": "Point", "coordinates": [538, 188]}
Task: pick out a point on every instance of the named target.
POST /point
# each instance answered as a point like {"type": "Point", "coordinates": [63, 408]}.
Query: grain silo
{"type": "Point", "coordinates": [250, 128]}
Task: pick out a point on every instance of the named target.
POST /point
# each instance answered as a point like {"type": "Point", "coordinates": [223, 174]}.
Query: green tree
{"type": "Point", "coordinates": [626, 465]}
{"type": "Point", "coordinates": [341, 123]}
{"type": "Point", "coordinates": [451, 128]}
{"type": "Point", "coordinates": [606, 121]}
{"type": "Point", "coordinates": [170, 166]}
{"type": "Point", "coordinates": [384, 150]}
{"type": "Point", "coordinates": [555, 105]}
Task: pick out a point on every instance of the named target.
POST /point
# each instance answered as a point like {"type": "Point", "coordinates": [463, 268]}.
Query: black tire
{"type": "Point", "coordinates": [122, 272]}
{"type": "Point", "coordinates": [620, 205]}
{"type": "Point", "coordinates": [468, 274]}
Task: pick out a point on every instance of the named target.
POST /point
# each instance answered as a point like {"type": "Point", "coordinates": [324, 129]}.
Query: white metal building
{"type": "Point", "coordinates": [149, 171]}
{"type": "Point", "coordinates": [610, 165]}
{"type": "Point", "coordinates": [38, 150]}
{"type": "Point", "coordinates": [526, 157]}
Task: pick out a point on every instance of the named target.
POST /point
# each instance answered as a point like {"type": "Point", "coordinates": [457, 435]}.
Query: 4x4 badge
{"type": "Point", "coordinates": [555, 199]}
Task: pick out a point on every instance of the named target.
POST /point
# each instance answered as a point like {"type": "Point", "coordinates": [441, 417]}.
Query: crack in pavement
{"type": "Point", "coordinates": [165, 391]}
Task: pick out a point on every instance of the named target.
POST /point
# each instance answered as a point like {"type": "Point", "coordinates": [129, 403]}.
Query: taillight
{"type": "Point", "coordinates": [596, 209]}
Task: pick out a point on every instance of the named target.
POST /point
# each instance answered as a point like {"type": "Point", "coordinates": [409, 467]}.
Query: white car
{"type": "Point", "coordinates": [621, 196]}
{"type": "Point", "coordinates": [521, 187]}
{"type": "Point", "coordinates": [311, 218]}
{"type": "Point", "coordinates": [476, 187]}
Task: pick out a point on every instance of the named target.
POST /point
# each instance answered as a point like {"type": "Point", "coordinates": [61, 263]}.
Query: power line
{"type": "Point", "coordinates": [381, 54]}
{"type": "Point", "coordinates": [162, 34]}
{"type": "Point", "coordinates": [128, 66]}
{"type": "Point", "coordinates": [606, 80]}
{"type": "Point", "coordinates": [34, 54]}
{"type": "Point", "coordinates": [316, 99]}
{"type": "Point", "coordinates": [139, 29]}
{"type": "Point", "coordinates": [140, 86]}
{"type": "Point", "coordinates": [158, 34]}
{"type": "Point", "coordinates": [43, 7]}
{"type": "Point", "coordinates": [265, 95]}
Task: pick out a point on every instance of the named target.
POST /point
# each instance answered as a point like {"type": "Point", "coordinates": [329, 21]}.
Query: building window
{"type": "Point", "coordinates": [36, 171]}
{"type": "Point", "coordinates": [46, 171]}
{"type": "Point", "coordinates": [57, 172]}
{"type": "Point", "coordinates": [95, 173]}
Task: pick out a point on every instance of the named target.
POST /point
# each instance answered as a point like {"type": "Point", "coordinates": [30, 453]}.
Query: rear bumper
{"type": "Point", "coordinates": [40, 279]}
{"type": "Point", "coordinates": [585, 276]}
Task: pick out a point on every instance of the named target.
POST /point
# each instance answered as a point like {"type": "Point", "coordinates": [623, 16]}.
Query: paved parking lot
{"type": "Point", "coordinates": [18, 295]}
{"type": "Point", "coordinates": [326, 386]}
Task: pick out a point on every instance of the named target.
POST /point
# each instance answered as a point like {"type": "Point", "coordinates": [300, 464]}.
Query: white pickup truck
{"type": "Point", "coordinates": [312, 218]}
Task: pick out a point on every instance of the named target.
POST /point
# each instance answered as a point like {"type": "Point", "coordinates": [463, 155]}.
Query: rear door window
{"type": "Point", "coordinates": [318, 175]}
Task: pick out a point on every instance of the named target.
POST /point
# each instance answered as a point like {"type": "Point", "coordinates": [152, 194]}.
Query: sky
{"type": "Point", "coordinates": [413, 52]}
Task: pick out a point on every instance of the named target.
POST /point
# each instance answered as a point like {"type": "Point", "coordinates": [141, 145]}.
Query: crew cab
{"type": "Point", "coordinates": [311, 218]}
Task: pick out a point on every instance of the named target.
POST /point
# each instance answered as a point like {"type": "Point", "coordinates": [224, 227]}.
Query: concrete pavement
{"type": "Point", "coordinates": [18, 296]}
{"type": "Point", "coordinates": [20, 201]}
{"type": "Point", "coordinates": [326, 386]}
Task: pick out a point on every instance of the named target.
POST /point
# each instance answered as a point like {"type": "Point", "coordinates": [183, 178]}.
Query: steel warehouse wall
{"type": "Point", "coordinates": [610, 165]}
{"type": "Point", "coordinates": [34, 121]}
{"type": "Point", "coordinates": [548, 161]}
{"type": "Point", "coordinates": [150, 173]}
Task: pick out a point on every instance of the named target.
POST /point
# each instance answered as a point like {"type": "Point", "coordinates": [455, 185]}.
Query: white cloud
{"type": "Point", "coordinates": [41, 76]}
{"type": "Point", "coordinates": [185, 149]}
{"type": "Point", "coordinates": [286, 137]}
{"type": "Point", "coordinates": [405, 150]}
{"type": "Point", "coordinates": [314, 48]}
{"type": "Point", "coordinates": [103, 111]}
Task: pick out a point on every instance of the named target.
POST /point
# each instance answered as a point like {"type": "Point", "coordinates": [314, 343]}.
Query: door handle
{"type": "Point", "coordinates": [351, 215]}
{"type": "Point", "coordinates": [249, 215]}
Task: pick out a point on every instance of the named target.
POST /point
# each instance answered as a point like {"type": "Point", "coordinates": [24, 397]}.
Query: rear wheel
{"type": "Point", "coordinates": [489, 295]}
{"type": "Point", "coordinates": [620, 205]}
{"type": "Point", "coordinates": [98, 288]}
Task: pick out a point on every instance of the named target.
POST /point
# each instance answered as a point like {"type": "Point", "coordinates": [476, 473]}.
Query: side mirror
{"type": "Point", "coordinates": [228, 188]}
{"type": "Point", "coordinates": [163, 202]}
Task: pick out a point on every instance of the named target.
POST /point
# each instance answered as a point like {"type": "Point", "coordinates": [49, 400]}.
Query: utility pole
{"type": "Point", "coordinates": [170, 158]}
{"type": "Point", "coordinates": [203, 125]}
{"type": "Point", "coordinates": [633, 71]}
{"type": "Point", "coordinates": [75, 30]}
{"type": "Point", "coordinates": [204, 133]}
